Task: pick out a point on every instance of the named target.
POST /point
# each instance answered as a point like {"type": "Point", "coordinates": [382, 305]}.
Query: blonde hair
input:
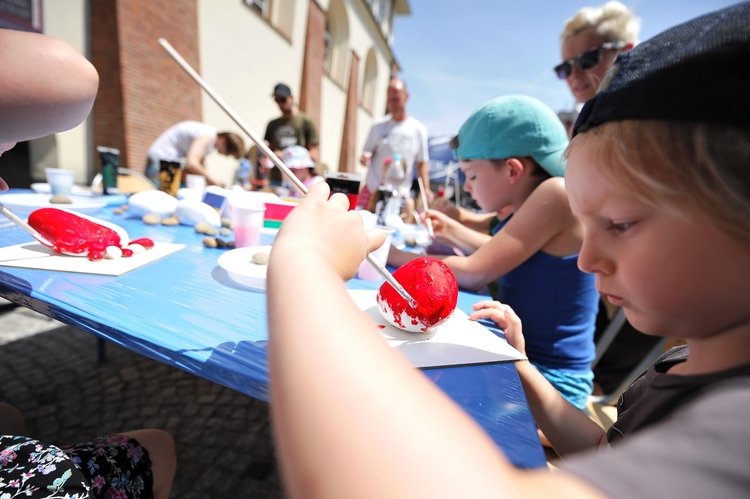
{"type": "Point", "coordinates": [692, 168]}
{"type": "Point", "coordinates": [612, 21]}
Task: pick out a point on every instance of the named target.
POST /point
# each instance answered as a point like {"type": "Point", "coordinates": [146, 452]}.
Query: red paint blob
{"type": "Point", "coordinates": [144, 241]}
{"type": "Point", "coordinates": [73, 234]}
{"type": "Point", "coordinates": [433, 286]}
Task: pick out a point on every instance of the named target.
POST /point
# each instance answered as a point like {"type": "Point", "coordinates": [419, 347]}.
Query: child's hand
{"type": "Point", "coordinates": [446, 206]}
{"type": "Point", "coordinates": [324, 229]}
{"type": "Point", "coordinates": [503, 316]}
{"type": "Point", "coordinates": [440, 224]}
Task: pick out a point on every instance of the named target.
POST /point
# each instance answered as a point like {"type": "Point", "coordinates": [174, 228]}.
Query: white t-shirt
{"type": "Point", "coordinates": [173, 144]}
{"type": "Point", "coordinates": [388, 138]}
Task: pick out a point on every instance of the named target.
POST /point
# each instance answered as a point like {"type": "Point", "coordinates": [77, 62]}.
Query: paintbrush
{"type": "Point", "coordinates": [275, 159]}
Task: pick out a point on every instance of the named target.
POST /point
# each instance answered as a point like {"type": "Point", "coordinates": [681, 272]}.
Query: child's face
{"type": "Point", "coordinates": [484, 181]}
{"type": "Point", "coordinates": [674, 275]}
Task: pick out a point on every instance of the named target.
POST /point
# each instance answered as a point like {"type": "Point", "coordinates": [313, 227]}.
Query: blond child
{"type": "Point", "coordinates": [659, 175]}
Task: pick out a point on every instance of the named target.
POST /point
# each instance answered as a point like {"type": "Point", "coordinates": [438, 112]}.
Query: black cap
{"type": "Point", "coordinates": [281, 90]}
{"type": "Point", "coordinates": [696, 71]}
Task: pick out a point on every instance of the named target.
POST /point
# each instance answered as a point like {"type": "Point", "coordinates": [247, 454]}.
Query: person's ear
{"type": "Point", "coordinates": [515, 168]}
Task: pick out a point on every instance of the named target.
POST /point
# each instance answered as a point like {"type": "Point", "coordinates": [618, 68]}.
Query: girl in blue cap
{"type": "Point", "coordinates": [658, 173]}
{"type": "Point", "coordinates": [511, 151]}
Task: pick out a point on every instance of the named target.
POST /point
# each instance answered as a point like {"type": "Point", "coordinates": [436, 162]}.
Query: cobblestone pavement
{"type": "Point", "coordinates": [50, 372]}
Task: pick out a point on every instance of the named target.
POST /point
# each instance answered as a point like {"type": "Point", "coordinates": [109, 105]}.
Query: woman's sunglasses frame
{"type": "Point", "coordinates": [585, 60]}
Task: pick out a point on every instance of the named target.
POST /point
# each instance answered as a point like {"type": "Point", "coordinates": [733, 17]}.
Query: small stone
{"type": "Point", "coordinates": [60, 199]}
{"type": "Point", "coordinates": [209, 242]}
{"type": "Point", "coordinates": [202, 227]}
{"type": "Point", "coordinates": [170, 221]}
{"type": "Point", "coordinates": [225, 231]}
{"type": "Point", "coordinates": [118, 211]}
{"type": "Point", "coordinates": [260, 258]}
{"type": "Point", "coordinates": [112, 252]}
{"type": "Point", "coordinates": [136, 248]}
{"type": "Point", "coordinates": [211, 231]}
{"type": "Point", "coordinates": [227, 222]}
{"type": "Point", "coordinates": [151, 219]}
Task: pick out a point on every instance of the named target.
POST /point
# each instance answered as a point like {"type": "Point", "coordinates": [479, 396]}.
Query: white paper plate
{"type": "Point", "coordinates": [238, 264]}
{"type": "Point", "coordinates": [76, 190]}
{"type": "Point", "coordinates": [22, 204]}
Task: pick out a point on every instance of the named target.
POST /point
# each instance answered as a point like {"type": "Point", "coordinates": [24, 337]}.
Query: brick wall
{"type": "Point", "coordinates": [142, 90]}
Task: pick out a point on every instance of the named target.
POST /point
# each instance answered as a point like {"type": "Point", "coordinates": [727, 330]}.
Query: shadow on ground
{"type": "Point", "coordinates": [224, 446]}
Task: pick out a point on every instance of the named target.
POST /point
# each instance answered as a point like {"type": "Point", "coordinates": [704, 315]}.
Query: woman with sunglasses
{"type": "Point", "coordinates": [590, 42]}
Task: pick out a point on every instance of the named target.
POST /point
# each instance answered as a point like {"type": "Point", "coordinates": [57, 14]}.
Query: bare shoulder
{"type": "Point", "coordinates": [551, 197]}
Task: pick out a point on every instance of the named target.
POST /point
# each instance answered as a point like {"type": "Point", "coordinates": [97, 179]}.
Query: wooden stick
{"type": "Point", "coordinates": [275, 159]}
{"type": "Point", "coordinates": [25, 226]}
{"type": "Point", "coordinates": [428, 220]}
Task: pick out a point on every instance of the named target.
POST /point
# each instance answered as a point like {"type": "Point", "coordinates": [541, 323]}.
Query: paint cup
{"type": "Point", "coordinates": [248, 220]}
{"type": "Point", "coordinates": [170, 177]}
{"type": "Point", "coordinates": [60, 181]}
{"type": "Point", "coordinates": [366, 271]}
{"type": "Point", "coordinates": [345, 182]}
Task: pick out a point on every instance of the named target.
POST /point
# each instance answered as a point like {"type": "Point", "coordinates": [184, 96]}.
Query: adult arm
{"type": "Point", "coordinates": [351, 417]}
{"type": "Point", "coordinates": [471, 219]}
{"type": "Point", "coordinates": [194, 161]}
{"type": "Point", "coordinates": [423, 170]}
{"type": "Point", "coordinates": [454, 232]}
{"type": "Point", "coordinates": [46, 86]}
{"type": "Point", "coordinates": [369, 148]}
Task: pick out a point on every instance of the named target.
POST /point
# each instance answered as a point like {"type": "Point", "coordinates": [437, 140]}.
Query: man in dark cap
{"type": "Point", "coordinates": [292, 128]}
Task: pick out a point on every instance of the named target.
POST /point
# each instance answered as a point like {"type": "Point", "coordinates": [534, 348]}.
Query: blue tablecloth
{"type": "Point", "coordinates": [185, 311]}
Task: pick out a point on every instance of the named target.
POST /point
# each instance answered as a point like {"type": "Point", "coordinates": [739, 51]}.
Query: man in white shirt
{"type": "Point", "coordinates": [397, 135]}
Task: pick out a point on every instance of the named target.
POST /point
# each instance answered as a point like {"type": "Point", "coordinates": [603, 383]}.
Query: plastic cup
{"type": "Point", "coordinates": [197, 182]}
{"type": "Point", "coordinates": [366, 271]}
{"type": "Point", "coordinates": [248, 220]}
{"type": "Point", "coordinates": [60, 180]}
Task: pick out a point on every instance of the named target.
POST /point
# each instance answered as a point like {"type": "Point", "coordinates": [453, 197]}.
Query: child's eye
{"type": "Point", "coordinates": [619, 226]}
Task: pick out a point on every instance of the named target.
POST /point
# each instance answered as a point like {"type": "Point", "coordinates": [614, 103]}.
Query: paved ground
{"type": "Point", "coordinates": [50, 372]}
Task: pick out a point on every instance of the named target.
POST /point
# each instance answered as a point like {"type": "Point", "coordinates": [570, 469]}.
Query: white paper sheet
{"type": "Point", "coordinates": [457, 341]}
{"type": "Point", "coordinates": [34, 255]}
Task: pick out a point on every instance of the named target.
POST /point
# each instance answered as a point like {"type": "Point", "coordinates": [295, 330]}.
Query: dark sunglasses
{"type": "Point", "coordinates": [279, 100]}
{"type": "Point", "coordinates": [586, 60]}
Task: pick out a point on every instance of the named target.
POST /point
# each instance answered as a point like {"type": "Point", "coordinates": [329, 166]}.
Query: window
{"type": "Point", "coordinates": [336, 43]}
{"type": "Point", "coordinates": [280, 15]}
{"type": "Point", "coordinates": [262, 7]}
{"type": "Point", "coordinates": [369, 81]}
{"type": "Point", "coordinates": [25, 15]}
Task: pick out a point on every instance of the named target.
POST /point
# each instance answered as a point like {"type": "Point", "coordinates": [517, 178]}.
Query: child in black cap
{"type": "Point", "coordinates": [659, 174]}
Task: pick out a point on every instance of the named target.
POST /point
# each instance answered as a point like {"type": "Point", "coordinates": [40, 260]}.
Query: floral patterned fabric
{"type": "Point", "coordinates": [108, 467]}
{"type": "Point", "coordinates": [29, 468]}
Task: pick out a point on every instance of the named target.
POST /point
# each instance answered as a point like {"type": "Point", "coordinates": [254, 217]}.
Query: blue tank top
{"type": "Point", "coordinates": [557, 304]}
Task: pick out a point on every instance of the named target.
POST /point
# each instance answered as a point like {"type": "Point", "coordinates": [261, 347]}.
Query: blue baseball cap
{"type": "Point", "coordinates": [515, 126]}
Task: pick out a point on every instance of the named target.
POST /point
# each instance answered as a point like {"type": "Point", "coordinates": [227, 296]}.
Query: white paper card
{"type": "Point", "coordinates": [457, 341]}
{"type": "Point", "coordinates": [34, 255]}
